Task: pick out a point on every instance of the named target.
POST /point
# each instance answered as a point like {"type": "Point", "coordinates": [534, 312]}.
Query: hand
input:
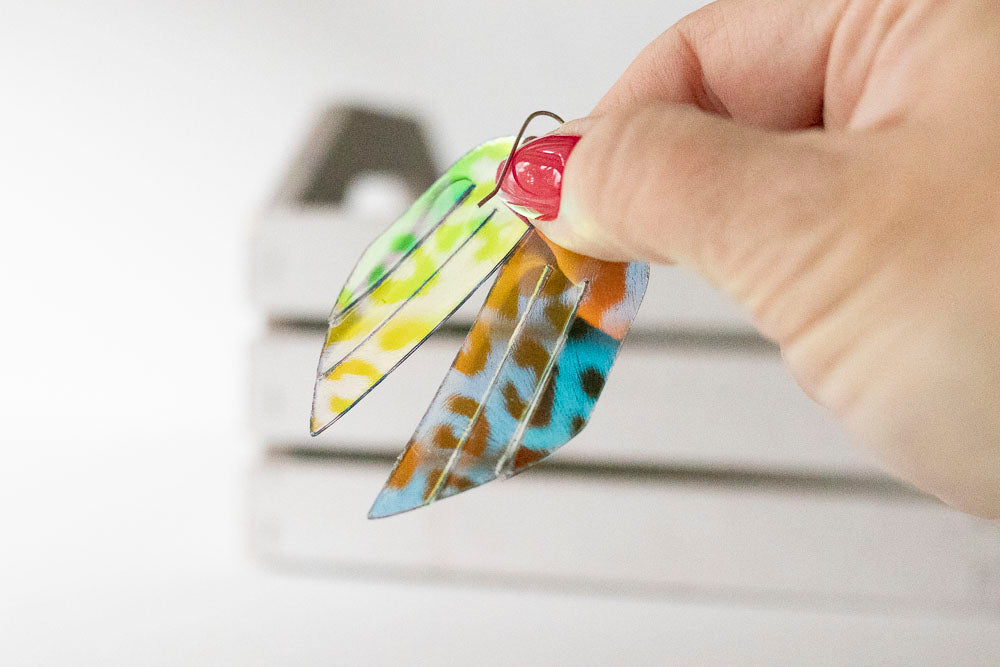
{"type": "Point", "coordinates": [834, 167]}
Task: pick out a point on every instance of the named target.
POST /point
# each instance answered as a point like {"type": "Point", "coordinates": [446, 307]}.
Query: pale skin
{"type": "Point", "coordinates": [834, 167]}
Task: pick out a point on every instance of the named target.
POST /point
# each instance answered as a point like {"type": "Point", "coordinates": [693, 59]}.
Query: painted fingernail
{"type": "Point", "coordinates": [533, 185]}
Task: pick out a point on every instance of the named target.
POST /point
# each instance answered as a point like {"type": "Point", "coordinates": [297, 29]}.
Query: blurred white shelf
{"type": "Point", "coordinates": [266, 618]}
{"type": "Point", "coordinates": [662, 406]}
{"type": "Point", "coordinates": [300, 257]}
{"type": "Point", "coordinates": [643, 535]}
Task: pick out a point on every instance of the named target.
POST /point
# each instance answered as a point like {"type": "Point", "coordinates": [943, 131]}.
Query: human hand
{"type": "Point", "coordinates": [834, 167]}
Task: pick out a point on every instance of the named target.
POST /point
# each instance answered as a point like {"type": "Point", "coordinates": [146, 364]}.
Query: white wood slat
{"type": "Point", "coordinates": [661, 406]}
{"type": "Point", "coordinates": [301, 257]}
{"type": "Point", "coordinates": [254, 618]}
{"type": "Point", "coordinates": [643, 536]}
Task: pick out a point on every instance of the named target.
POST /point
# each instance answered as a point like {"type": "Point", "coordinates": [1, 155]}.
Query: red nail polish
{"type": "Point", "coordinates": [534, 182]}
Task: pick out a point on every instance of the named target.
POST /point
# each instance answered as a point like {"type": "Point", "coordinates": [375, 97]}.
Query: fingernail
{"type": "Point", "coordinates": [533, 185]}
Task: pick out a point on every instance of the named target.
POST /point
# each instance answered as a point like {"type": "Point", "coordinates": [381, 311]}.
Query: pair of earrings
{"type": "Point", "coordinates": [535, 361]}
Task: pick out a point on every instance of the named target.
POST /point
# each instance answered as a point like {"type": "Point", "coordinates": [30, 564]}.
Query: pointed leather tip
{"type": "Point", "coordinates": [392, 501]}
{"type": "Point", "coordinates": [316, 425]}
{"type": "Point", "coordinates": [321, 417]}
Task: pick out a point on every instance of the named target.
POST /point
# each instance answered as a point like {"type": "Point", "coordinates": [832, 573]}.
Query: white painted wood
{"type": "Point", "coordinates": [641, 536]}
{"type": "Point", "coordinates": [301, 257]}
{"type": "Point", "coordinates": [252, 618]}
{"type": "Point", "coordinates": [661, 406]}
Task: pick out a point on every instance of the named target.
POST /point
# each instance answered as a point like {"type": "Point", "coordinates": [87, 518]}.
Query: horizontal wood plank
{"type": "Point", "coordinates": [301, 257]}
{"type": "Point", "coordinates": [662, 406]}
{"type": "Point", "coordinates": [640, 536]}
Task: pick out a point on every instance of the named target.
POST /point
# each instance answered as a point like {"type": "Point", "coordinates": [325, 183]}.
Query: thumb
{"type": "Point", "coordinates": [670, 183]}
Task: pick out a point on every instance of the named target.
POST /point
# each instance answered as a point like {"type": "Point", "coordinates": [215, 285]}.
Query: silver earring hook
{"type": "Point", "coordinates": [513, 149]}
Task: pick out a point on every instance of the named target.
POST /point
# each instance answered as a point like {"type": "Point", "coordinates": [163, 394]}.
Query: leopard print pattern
{"type": "Point", "coordinates": [527, 377]}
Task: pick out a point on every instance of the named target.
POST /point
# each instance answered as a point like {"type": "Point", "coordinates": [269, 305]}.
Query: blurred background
{"type": "Point", "coordinates": [165, 283]}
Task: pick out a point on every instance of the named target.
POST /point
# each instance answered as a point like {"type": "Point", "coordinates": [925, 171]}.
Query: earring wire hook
{"type": "Point", "coordinates": [513, 149]}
